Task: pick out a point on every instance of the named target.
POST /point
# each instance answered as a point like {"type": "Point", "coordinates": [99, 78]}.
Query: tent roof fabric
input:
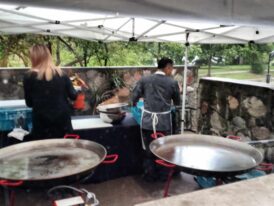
{"type": "Point", "coordinates": [221, 11]}
{"type": "Point", "coordinates": [17, 19]}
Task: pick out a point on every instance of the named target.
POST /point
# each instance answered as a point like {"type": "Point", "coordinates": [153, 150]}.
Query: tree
{"type": "Point", "coordinates": [13, 45]}
{"type": "Point", "coordinates": [18, 45]}
{"type": "Point", "coordinates": [259, 57]}
{"type": "Point", "coordinates": [209, 51]}
{"type": "Point", "coordinates": [69, 51]}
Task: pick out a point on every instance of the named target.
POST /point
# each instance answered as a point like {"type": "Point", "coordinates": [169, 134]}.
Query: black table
{"type": "Point", "coordinates": [122, 139]}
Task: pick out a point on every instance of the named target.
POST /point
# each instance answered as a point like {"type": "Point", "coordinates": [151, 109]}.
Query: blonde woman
{"type": "Point", "coordinates": [47, 90]}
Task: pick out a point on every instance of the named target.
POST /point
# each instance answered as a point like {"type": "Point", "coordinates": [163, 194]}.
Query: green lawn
{"type": "Point", "coordinates": [232, 71]}
{"type": "Point", "coordinates": [226, 67]}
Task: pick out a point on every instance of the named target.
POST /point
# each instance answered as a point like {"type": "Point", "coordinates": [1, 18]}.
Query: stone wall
{"type": "Point", "coordinates": [112, 84]}
{"type": "Point", "coordinates": [234, 107]}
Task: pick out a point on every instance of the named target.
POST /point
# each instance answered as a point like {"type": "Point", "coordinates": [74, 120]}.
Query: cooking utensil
{"type": "Point", "coordinates": [112, 117]}
{"type": "Point", "coordinates": [113, 108]}
{"type": "Point", "coordinates": [206, 155]}
{"type": "Point", "coordinates": [51, 161]}
{"type": "Point", "coordinates": [112, 113]}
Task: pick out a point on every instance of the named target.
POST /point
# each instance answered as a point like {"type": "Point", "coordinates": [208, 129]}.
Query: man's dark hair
{"type": "Point", "coordinates": [162, 63]}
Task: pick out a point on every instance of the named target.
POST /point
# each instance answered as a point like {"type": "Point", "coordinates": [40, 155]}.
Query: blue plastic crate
{"type": "Point", "coordinates": [11, 117]}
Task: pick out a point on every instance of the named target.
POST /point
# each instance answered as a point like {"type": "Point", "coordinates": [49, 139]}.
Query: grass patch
{"type": "Point", "coordinates": [233, 72]}
{"type": "Point", "coordinates": [226, 67]}
{"type": "Point", "coordinates": [246, 75]}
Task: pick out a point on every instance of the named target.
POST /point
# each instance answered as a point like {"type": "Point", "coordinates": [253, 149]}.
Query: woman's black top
{"type": "Point", "coordinates": [50, 105]}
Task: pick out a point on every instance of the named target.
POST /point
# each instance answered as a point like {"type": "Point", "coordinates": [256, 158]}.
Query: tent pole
{"type": "Point", "coordinates": [184, 85]}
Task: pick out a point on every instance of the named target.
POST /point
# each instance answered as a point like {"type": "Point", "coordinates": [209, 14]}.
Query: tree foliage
{"type": "Point", "coordinates": [69, 51]}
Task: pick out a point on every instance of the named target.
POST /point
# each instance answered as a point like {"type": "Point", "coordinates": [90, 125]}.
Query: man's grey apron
{"type": "Point", "coordinates": [154, 118]}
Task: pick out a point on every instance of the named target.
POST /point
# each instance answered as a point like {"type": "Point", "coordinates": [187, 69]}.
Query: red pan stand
{"type": "Point", "coordinates": [164, 164]}
{"type": "Point", "coordinates": [169, 178]}
{"type": "Point", "coordinates": [9, 191]}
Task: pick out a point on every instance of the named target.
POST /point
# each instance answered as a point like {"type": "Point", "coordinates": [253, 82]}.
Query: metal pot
{"type": "Point", "coordinates": [112, 113]}
{"type": "Point", "coordinates": [112, 117]}
{"type": "Point", "coordinates": [112, 108]}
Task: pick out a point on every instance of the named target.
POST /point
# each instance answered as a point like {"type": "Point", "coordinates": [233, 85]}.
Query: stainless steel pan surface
{"type": "Point", "coordinates": [49, 159]}
{"type": "Point", "coordinates": [206, 155]}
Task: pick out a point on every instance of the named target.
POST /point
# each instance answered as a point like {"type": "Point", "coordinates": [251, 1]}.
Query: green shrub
{"type": "Point", "coordinates": [258, 68]}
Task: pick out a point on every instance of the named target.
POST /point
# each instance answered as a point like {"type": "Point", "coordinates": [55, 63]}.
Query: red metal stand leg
{"type": "Point", "coordinates": [171, 167]}
{"type": "Point", "coordinates": [169, 178]}
{"type": "Point", "coordinates": [219, 181]}
{"type": "Point", "coordinates": [12, 198]}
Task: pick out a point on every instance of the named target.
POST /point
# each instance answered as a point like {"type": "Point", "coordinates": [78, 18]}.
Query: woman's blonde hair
{"type": "Point", "coordinates": [41, 60]}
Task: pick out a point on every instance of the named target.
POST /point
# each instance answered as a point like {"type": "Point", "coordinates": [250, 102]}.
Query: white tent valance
{"type": "Point", "coordinates": [16, 19]}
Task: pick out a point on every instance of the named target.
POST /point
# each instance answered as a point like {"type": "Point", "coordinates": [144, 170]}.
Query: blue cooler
{"type": "Point", "coordinates": [11, 117]}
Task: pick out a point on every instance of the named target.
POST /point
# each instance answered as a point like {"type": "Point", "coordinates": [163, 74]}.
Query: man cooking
{"type": "Point", "coordinates": [159, 91]}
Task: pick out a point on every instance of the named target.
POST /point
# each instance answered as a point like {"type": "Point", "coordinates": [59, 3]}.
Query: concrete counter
{"type": "Point", "coordinates": [254, 192]}
{"type": "Point", "coordinates": [239, 82]}
{"type": "Point", "coordinates": [12, 103]}
{"type": "Point", "coordinates": [88, 122]}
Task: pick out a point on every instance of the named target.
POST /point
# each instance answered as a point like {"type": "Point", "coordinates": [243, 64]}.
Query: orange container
{"type": "Point", "coordinates": [79, 103]}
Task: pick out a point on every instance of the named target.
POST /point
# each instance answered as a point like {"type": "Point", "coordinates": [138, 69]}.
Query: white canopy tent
{"type": "Point", "coordinates": [111, 26]}
{"type": "Point", "coordinates": [221, 11]}
{"type": "Point", "coordinates": [15, 19]}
